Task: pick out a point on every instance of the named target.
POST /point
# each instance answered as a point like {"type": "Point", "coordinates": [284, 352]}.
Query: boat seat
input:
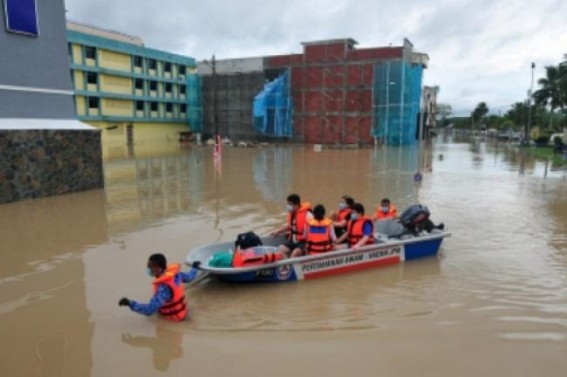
{"type": "Point", "coordinates": [387, 227]}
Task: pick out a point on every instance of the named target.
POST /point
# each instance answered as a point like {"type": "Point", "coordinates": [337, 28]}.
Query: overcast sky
{"type": "Point", "coordinates": [479, 50]}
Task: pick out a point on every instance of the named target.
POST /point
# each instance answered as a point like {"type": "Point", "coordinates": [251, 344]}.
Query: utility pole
{"type": "Point", "coordinates": [530, 94]}
{"type": "Point", "coordinates": [215, 96]}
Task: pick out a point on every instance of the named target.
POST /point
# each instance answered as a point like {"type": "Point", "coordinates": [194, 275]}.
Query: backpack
{"type": "Point", "coordinates": [247, 240]}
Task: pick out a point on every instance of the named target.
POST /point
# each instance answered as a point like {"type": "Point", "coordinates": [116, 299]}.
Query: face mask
{"type": "Point", "coordinates": [384, 209]}
{"type": "Point", "coordinates": [342, 205]}
{"type": "Point", "coordinates": [289, 208]}
{"type": "Point", "coordinates": [354, 216]}
{"type": "Point", "coordinates": [149, 272]}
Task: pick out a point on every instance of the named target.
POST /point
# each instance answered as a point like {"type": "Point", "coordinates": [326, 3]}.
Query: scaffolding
{"type": "Point", "coordinates": [194, 103]}
{"type": "Point", "coordinates": [273, 109]}
{"type": "Point", "coordinates": [396, 99]}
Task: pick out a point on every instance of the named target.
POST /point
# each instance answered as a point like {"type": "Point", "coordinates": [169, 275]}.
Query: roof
{"type": "Point", "coordinates": [43, 124]}
{"type": "Point", "coordinates": [349, 41]}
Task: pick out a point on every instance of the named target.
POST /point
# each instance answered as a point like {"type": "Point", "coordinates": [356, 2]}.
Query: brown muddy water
{"type": "Point", "coordinates": [493, 303]}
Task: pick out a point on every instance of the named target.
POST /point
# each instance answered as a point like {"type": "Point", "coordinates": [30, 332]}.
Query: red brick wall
{"type": "Point", "coordinates": [320, 78]}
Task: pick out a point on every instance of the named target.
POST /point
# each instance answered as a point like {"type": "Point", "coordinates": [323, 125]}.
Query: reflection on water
{"type": "Point", "coordinates": [298, 307]}
{"type": "Point", "coordinates": [146, 189]}
{"type": "Point", "coordinates": [166, 345]}
{"type": "Point", "coordinates": [498, 289]}
{"type": "Point", "coordinates": [272, 173]}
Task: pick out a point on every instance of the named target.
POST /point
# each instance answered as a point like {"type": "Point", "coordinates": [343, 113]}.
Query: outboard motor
{"type": "Point", "coordinates": [416, 218]}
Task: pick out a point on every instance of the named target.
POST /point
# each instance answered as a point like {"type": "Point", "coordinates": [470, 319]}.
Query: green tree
{"type": "Point", "coordinates": [518, 114]}
{"type": "Point", "coordinates": [553, 92]}
{"type": "Point", "coordinates": [479, 113]}
{"type": "Point", "coordinates": [444, 111]}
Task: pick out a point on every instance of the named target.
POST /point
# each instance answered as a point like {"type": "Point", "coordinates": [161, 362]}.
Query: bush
{"type": "Point", "coordinates": [541, 141]}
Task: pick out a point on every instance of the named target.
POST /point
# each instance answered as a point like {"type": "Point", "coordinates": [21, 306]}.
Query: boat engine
{"type": "Point", "coordinates": [416, 218]}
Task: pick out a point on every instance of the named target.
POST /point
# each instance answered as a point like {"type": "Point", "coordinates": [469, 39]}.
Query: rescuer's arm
{"type": "Point", "coordinates": [367, 230]}
{"type": "Point", "coordinates": [162, 295]}
{"type": "Point", "coordinates": [190, 275]}
{"type": "Point", "coordinates": [279, 231]}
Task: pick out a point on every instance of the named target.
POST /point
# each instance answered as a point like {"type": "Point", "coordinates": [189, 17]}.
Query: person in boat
{"type": "Point", "coordinates": [298, 214]}
{"type": "Point", "coordinates": [386, 210]}
{"type": "Point", "coordinates": [360, 229]}
{"type": "Point", "coordinates": [169, 294]}
{"type": "Point", "coordinates": [341, 218]}
{"type": "Point", "coordinates": [319, 234]}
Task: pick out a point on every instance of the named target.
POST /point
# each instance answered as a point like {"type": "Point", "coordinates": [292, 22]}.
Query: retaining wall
{"type": "Point", "coordinates": [38, 163]}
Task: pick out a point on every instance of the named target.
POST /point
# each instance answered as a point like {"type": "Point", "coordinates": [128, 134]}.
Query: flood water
{"type": "Point", "coordinates": [493, 303]}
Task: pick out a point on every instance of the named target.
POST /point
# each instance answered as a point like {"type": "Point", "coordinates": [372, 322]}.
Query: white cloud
{"type": "Point", "coordinates": [480, 50]}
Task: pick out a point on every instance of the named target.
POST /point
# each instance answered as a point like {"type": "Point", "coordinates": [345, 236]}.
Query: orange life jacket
{"type": "Point", "coordinates": [296, 222]}
{"type": "Point", "coordinates": [319, 236]}
{"type": "Point", "coordinates": [392, 212]}
{"type": "Point", "coordinates": [355, 231]}
{"type": "Point", "coordinates": [254, 256]}
{"type": "Point", "coordinates": [343, 214]}
{"type": "Point", "coordinates": [176, 308]}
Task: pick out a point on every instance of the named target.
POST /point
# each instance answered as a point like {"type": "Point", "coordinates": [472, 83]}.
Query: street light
{"type": "Point", "coordinates": [530, 94]}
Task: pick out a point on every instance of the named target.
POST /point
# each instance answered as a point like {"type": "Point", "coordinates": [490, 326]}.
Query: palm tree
{"type": "Point", "coordinates": [553, 92]}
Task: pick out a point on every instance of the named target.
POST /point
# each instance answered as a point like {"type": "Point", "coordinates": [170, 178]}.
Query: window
{"type": "Point", "coordinates": [153, 85]}
{"type": "Point", "coordinates": [182, 89]}
{"type": "Point", "coordinates": [92, 78]}
{"type": "Point", "coordinates": [90, 52]}
{"type": "Point", "coordinates": [183, 108]}
{"type": "Point", "coordinates": [167, 67]}
{"type": "Point", "coordinates": [181, 69]}
{"type": "Point", "coordinates": [168, 87]}
{"type": "Point", "coordinates": [139, 84]}
{"type": "Point", "coordinates": [137, 61]}
{"type": "Point", "coordinates": [93, 102]}
{"type": "Point", "coordinates": [153, 106]}
{"type": "Point", "coordinates": [168, 107]}
{"type": "Point", "coordinates": [139, 105]}
{"type": "Point", "coordinates": [21, 17]}
{"type": "Point", "coordinates": [152, 64]}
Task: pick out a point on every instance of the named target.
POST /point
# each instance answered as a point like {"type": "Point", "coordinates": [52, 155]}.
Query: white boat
{"type": "Point", "coordinates": [391, 247]}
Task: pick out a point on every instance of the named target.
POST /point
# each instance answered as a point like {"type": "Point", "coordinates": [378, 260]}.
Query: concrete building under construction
{"type": "Point", "coordinates": [332, 93]}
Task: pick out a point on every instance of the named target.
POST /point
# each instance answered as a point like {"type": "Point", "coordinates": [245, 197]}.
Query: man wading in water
{"type": "Point", "coordinates": [169, 293]}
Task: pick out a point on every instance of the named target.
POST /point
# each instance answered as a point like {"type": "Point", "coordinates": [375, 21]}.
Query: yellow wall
{"type": "Point", "coordinates": [76, 54]}
{"type": "Point", "coordinates": [143, 132]}
{"type": "Point", "coordinates": [80, 105]}
{"type": "Point", "coordinates": [114, 60]}
{"type": "Point", "coordinates": [118, 107]}
{"type": "Point", "coordinates": [79, 80]}
{"type": "Point", "coordinates": [115, 84]}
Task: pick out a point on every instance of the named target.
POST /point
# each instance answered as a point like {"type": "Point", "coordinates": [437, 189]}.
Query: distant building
{"type": "Point", "coordinates": [332, 93]}
{"type": "Point", "coordinates": [429, 109]}
{"type": "Point", "coordinates": [131, 92]}
{"type": "Point", "coordinates": [236, 83]}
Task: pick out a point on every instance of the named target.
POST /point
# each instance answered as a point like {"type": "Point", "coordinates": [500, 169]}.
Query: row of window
{"type": "Point", "coordinates": [153, 85]}
{"type": "Point", "coordinates": [138, 61]}
{"type": "Point", "coordinates": [94, 103]}
{"type": "Point", "coordinates": [92, 78]}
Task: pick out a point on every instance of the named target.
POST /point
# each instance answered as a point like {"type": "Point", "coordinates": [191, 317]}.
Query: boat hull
{"type": "Point", "coordinates": [335, 262]}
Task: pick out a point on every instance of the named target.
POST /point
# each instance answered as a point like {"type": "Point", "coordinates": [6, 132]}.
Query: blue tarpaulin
{"type": "Point", "coordinates": [272, 110]}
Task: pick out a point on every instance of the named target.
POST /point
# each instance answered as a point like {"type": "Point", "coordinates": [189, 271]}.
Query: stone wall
{"type": "Point", "coordinates": [37, 163]}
